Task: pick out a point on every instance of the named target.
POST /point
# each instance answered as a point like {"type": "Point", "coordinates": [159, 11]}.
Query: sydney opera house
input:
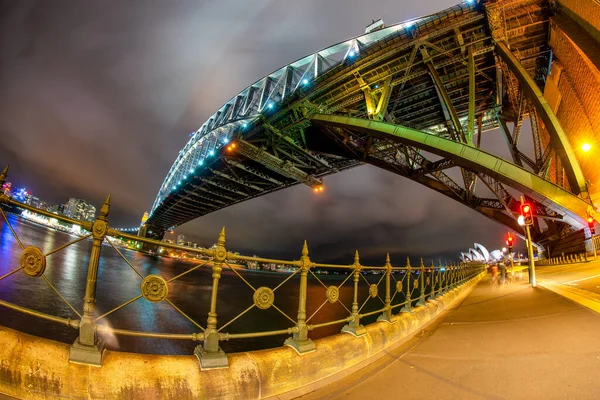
{"type": "Point", "coordinates": [481, 254]}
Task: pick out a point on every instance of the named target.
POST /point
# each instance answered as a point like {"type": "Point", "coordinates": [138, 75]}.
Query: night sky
{"type": "Point", "coordinates": [100, 96]}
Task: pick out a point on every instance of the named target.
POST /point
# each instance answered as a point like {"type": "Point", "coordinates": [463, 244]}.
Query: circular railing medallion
{"type": "Point", "coordinates": [427, 281]}
{"type": "Point", "coordinates": [373, 290]}
{"type": "Point", "coordinates": [399, 286]}
{"type": "Point", "coordinates": [263, 297]}
{"type": "Point", "coordinates": [333, 294]}
{"type": "Point", "coordinates": [154, 288]}
{"type": "Point", "coordinates": [416, 283]}
{"type": "Point", "coordinates": [33, 261]}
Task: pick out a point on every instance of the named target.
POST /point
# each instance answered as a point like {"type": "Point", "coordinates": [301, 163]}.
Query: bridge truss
{"type": "Point", "coordinates": [453, 75]}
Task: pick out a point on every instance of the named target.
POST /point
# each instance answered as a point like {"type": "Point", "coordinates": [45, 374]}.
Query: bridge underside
{"type": "Point", "coordinates": [415, 103]}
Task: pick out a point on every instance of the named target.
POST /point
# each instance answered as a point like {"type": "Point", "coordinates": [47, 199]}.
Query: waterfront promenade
{"type": "Point", "coordinates": [515, 342]}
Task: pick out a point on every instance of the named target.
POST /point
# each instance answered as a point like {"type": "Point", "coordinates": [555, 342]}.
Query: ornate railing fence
{"type": "Point", "coordinates": [415, 284]}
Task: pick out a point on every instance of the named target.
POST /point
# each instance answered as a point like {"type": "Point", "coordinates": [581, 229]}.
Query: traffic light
{"type": "Point", "coordinates": [509, 242]}
{"type": "Point", "coordinates": [527, 213]}
{"type": "Point", "coordinates": [590, 221]}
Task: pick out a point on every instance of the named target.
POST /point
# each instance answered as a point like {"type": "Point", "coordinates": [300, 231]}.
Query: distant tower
{"type": "Point", "coordinates": [145, 218]}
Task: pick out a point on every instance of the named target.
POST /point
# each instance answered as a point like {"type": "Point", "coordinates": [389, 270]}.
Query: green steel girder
{"type": "Point", "coordinates": [236, 180]}
{"type": "Point", "coordinates": [435, 166]}
{"type": "Point", "coordinates": [548, 194]}
{"type": "Point", "coordinates": [253, 171]}
{"type": "Point", "coordinates": [558, 137]}
{"type": "Point", "coordinates": [275, 164]}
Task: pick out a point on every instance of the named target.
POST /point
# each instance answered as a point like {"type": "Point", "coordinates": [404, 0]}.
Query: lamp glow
{"type": "Point", "coordinates": [586, 147]}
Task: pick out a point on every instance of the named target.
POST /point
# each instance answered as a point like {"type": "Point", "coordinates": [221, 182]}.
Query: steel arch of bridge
{"type": "Point", "coordinates": [440, 80]}
{"type": "Point", "coordinates": [546, 193]}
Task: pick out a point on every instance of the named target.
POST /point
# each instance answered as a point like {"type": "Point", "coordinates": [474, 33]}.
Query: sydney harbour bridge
{"type": "Point", "coordinates": [419, 99]}
{"type": "Point", "coordinates": [416, 99]}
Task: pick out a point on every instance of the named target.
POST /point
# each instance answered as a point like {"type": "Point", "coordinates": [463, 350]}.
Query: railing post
{"type": "Point", "coordinates": [408, 304]}
{"type": "Point", "coordinates": [433, 278]}
{"type": "Point", "coordinates": [88, 348]}
{"type": "Point", "coordinates": [421, 301]}
{"type": "Point", "coordinates": [210, 355]}
{"type": "Point", "coordinates": [300, 341]}
{"type": "Point", "coordinates": [440, 279]}
{"type": "Point", "coordinates": [387, 313]}
{"type": "Point", "coordinates": [354, 327]}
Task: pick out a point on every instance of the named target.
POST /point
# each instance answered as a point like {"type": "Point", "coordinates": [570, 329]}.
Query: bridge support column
{"type": "Point", "coordinates": [300, 341]}
{"type": "Point", "coordinates": [354, 327]}
{"type": "Point", "coordinates": [210, 355]}
{"type": "Point", "coordinates": [89, 347]}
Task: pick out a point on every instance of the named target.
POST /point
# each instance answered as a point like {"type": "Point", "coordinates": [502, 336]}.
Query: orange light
{"type": "Point", "coordinates": [321, 188]}
{"type": "Point", "coordinates": [233, 145]}
{"type": "Point", "coordinates": [526, 208]}
{"type": "Point", "coordinates": [586, 147]}
{"type": "Point", "coordinates": [316, 190]}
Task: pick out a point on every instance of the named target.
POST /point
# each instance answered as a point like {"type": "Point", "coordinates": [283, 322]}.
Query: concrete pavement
{"type": "Point", "coordinates": [500, 343]}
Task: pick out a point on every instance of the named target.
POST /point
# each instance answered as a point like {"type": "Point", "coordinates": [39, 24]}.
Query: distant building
{"type": "Point", "coordinates": [79, 209]}
{"type": "Point", "coordinates": [57, 209]}
{"type": "Point", "coordinates": [6, 188]}
{"type": "Point", "coordinates": [181, 240]}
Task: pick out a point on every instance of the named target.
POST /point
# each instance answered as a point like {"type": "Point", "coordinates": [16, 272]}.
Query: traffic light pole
{"type": "Point", "coordinates": [531, 262]}
{"type": "Point", "coordinates": [532, 279]}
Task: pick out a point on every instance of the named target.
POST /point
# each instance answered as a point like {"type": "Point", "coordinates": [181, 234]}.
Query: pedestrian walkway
{"type": "Point", "coordinates": [515, 342]}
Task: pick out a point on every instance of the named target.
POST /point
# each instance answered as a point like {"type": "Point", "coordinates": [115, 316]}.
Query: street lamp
{"type": "Point", "coordinates": [586, 147]}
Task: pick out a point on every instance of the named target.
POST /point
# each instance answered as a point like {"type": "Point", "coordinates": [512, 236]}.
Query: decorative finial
{"type": "Point", "coordinates": [387, 258]}
{"type": "Point", "coordinates": [305, 249]}
{"type": "Point", "coordinates": [356, 258]}
{"type": "Point", "coordinates": [407, 262]}
{"type": "Point", "coordinates": [421, 265]}
{"type": "Point", "coordinates": [3, 175]}
{"type": "Point", "coordinates": [221, 239]}
{"type": "Point", "coordinates": [105, 208]}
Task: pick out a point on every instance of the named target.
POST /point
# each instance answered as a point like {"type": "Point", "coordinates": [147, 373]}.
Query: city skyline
{"type": "Point", "coordinates": [109, 102]}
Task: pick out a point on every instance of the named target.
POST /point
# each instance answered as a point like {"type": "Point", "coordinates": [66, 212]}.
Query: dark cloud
{"type": "Point", "coordinates": [99, 97]}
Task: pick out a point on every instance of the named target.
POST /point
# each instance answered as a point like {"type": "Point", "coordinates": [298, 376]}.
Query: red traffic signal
{"type": "Point", "coordinates": [527, 214]}
{"type": "Point", "coordinates": [590, 221]}
{"type": "Point", "coordinates": [509, 242]}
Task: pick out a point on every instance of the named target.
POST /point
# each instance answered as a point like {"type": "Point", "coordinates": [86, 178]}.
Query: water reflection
{"type": "Point", "coordinates": [118, 283]}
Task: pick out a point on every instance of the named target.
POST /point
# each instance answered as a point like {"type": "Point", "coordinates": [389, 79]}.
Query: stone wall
{"type": "Point", "coordinates": [36, 368]}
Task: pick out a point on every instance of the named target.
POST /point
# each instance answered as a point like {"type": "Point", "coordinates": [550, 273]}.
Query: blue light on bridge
{"type": "Point", "coordinates": [179, 183]}
{"type": "Point", "coordinates": [191, 170]}
{"type": "Point", "coordinates": [351, 53]}
{"type": "Point", "coordinates": [245, 125]}
{"type": "Point", "coordinates": [270, 106]}
{"type": "Point", "coordinates": [185, 177]}
{"type": "Point", "coordinates": [211, 153]}
{"type": "Point", "coordinates": [225, 140]}
{"type": "Point", "coordinates": [305, 81]}
{"type": "Point", "coordinates": [200, 162]}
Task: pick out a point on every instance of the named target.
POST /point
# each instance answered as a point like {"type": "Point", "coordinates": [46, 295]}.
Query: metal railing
{"type": "Point", "coordinates": [416, 284]}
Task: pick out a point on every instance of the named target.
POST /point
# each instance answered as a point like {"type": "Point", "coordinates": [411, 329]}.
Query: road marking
{"type": "Point", "coordinates": [582, 279]}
